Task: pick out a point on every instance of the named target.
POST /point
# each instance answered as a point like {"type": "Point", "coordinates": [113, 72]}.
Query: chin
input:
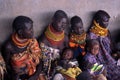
{"type": "Point", "coordinates": [60, 30]}
{"type": "Point", "coordinates": [29, 37]}
{"type": "Point", "coordinates": [79, 33]}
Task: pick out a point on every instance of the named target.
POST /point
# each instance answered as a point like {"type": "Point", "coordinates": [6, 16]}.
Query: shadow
{"type": "Point", "coordinates": [116, 32]}
{"type": "Point", "coordinates": [47, 19]}
{"type": "Point", "coordinates": [91, 14]}
{"type": "Point", "coordinates": [5, 28]}
{"type": "Point", "coordinates": [116, 35]}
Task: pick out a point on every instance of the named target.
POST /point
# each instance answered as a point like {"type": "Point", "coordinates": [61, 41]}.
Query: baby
{"type": "Point", "coordinates": [68, 67]}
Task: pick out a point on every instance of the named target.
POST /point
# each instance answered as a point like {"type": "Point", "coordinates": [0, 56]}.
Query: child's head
{"type": "Point", "coordinates": [60, 21]}
{"type": "Point", "coordinates": [84, 76]}
{"type": "Point", "coordinates": [77, 25]}
{"type": "Point", "coordinates": [67, 54]}
{"type": "Point", "coordinates": [93, 46]}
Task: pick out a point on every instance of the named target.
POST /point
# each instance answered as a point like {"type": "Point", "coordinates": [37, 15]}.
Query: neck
{"type": "Point", "coordinates": [53, 37]}
{"type": "Point", "coordinates": [20, 42]}
{"type": "Point", "coordinates": [19, 37]}
{"type": "Point", "coordinates": [98, 30]}
{"type": "Point", "coordinates": [78, 38]}
{"type": "Point", "coordinates": [97, 25]}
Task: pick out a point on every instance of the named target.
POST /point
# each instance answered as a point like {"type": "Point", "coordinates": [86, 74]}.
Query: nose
{"type": "Point", "coordinates": [64, 25]}
{"type": "Point", "coordinates": [31, 31]}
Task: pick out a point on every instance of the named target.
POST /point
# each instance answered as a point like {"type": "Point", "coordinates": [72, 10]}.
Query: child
{"type": "Point", "coordinates": [68, 67]}
{"type": "Point", "coordinates": [77, 39]}
{"type": "Point", "coordinates": [90, 60]}
{"type": "Point", "coordinates": [77, 36]}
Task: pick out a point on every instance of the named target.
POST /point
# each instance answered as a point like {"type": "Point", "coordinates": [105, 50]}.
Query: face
{"type": "Point", "coordinates": [104, 21]}
{"type": "Point", "coordinates": [60, 25]}
{"type": "Point", "coordinates": [27, 32]}
{"type": "Point", "coordinates": [68, 54]}
{"type": "Point", "coordinates": [78, 28]}
{"type": "Point", "coordinates": [95, 49]}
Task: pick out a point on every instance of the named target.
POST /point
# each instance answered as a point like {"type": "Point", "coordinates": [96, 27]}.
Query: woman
{"type": "Point", "coordinates": [52, 41]}
{"type": "Point", "coordinates": [100, 31]}
{"type": "Point", "coordinates": [21, 52]}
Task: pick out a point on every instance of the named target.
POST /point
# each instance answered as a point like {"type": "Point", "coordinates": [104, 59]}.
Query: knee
{"type": "Point", "coordinates": [58, 76]}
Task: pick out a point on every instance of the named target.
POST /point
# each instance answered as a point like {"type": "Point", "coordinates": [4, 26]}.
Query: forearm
{"type": "Point", "coordinates": [38, 72]}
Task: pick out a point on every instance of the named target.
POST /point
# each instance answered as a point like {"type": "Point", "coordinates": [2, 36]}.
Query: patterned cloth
{"type": "Point", "coordinates": [69, 68]}
{"type": "Point", "coordinates": [77, 43]}
{"type": "Point", "coordinates": [89, 60]}
{"type": "Point", "coordinates": [2, 68]}
{"type": "Point", "coordinates": [105, 57]}
{"type": "Point", "coordinates": [26, 61]}
{"type": "Point", "coordinates": [50, 55]}
{"type": "Point", "coordinates": [79, 50]}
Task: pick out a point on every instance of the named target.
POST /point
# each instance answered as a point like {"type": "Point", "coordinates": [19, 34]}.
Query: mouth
{"type": "Point", "coordinates": [60, 29]}
{"type": "Point", "coordinates": [80, 32]}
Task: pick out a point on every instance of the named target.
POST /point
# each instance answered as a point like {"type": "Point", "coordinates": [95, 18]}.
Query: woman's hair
{"type": "Point", "coordinates": [101, 13]}
{"type": "Point", "coordinates": [59, 14]}
{"type": "Point", "coordinates": [19, 22]}
{"type": "Point", "coordinates": [75, 20]}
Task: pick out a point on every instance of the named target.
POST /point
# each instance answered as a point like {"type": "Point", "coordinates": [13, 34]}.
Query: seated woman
{"type": "Point", "coordinates": [100, 31]}
{"type": "Point", "coordinates": [53, 40]}
{"type": "Point", "coordinates": [67, 67]}
{"type": "Point", "coordinates": [77, 38]}
{"type": "Point", "coordinates": [21, 52]}
{"type": "Point", "coordinates": [90, 60]}
{"type": "Point", "coordinates": [2, 67]}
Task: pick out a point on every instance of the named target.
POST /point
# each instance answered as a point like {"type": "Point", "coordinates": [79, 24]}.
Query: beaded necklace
{"type": "Point", "coordinates": [98, 30]}
{"type": "Point", "coordinates": [79, 39]}
{"type": "Point", "coordinates": [53, 37]}
{"type": "Point", "coordinates": [21, 43]}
